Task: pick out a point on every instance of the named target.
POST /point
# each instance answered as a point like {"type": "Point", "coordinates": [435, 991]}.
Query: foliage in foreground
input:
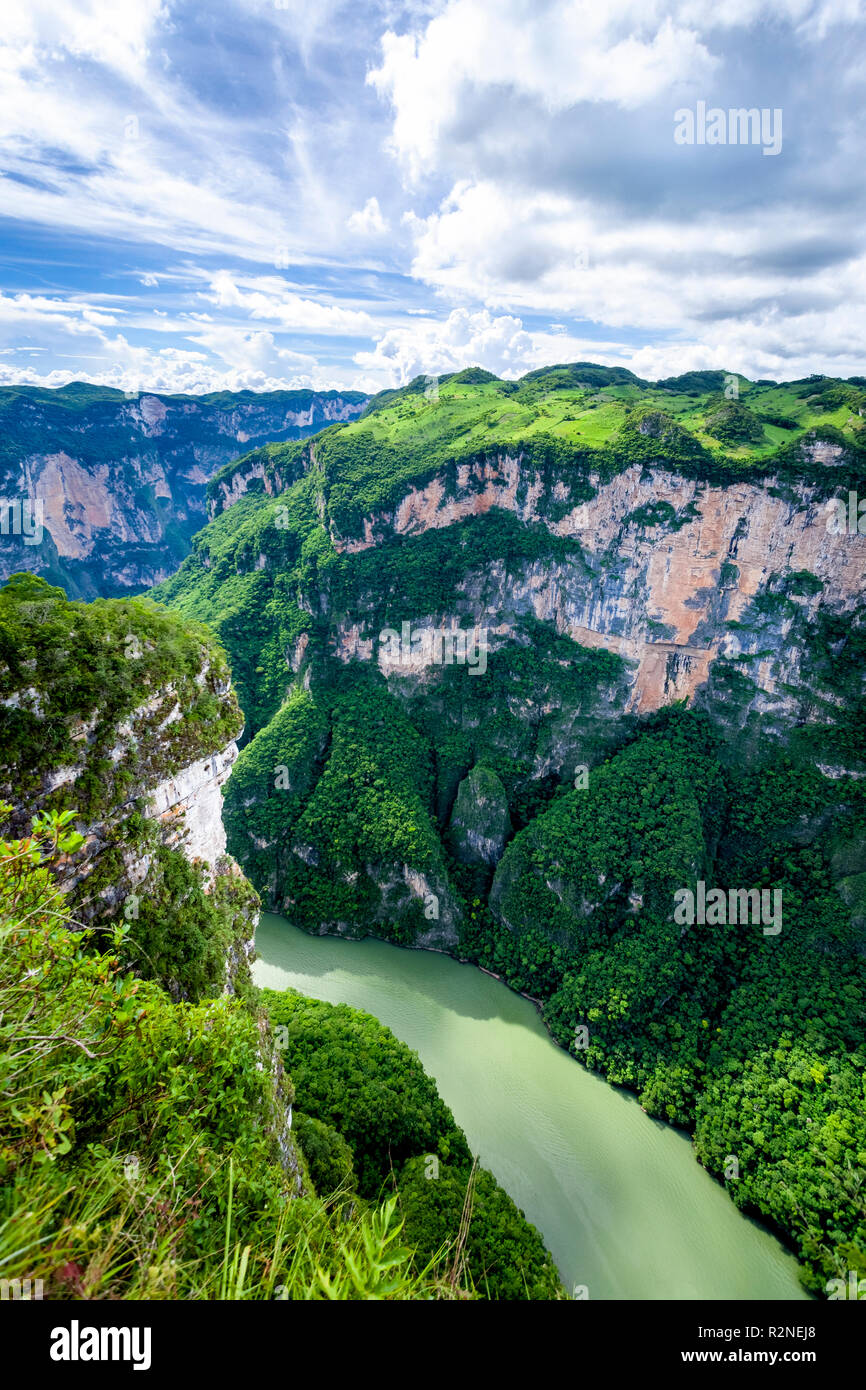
{"type": "Point", "coordinates": [146, 1149]}
{"type": "Point", "coordinates": [141, 1153]}
{"type": "Point", "coordinates": [355, 1076]}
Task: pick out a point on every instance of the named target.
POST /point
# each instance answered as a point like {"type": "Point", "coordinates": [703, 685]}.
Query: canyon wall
{"type": "Point", "coordinates": [127, 719]}
{"type": "Point", "coordinates": [119, 480]}
{"type": "Point", "coordinates": [679, 577]}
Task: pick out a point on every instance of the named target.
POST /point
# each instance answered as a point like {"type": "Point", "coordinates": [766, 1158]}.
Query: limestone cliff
{"type": "Point", "coordinates": [119, 478]}
{"type": "Point", "coordinates": [129, 720]}
{"type": "Point", "coordinates": [690, 583]}
{"type": "Point", "coordinates": [497, 588]}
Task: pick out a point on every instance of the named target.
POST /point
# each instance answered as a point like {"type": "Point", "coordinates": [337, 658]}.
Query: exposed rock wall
{"type": "Point", "coordinates": [120, 482]}
{"type": "Point", "coordinates": [188, 806]}
{"type": "Point", "coordinates": [155, 791]}
{"type": "Point", "coordinates": [673, 598]}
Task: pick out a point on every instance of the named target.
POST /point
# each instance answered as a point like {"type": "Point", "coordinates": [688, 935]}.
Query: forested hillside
{"type": "Point", "coordinates": [660, 690]}
{"type": "Point", "coordinates": [149, 1147]}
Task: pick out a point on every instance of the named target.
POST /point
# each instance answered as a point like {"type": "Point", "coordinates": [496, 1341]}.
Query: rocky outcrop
{"type": "Point", "coordinates": [183, 811]}
{"type": "Point", "coordinates": [480, 824]}
{"type": "Point", "coordinates": [264, 468]}
{"type": "Point", "coordinates": [124, 718]}
{"type": "Point", "coordinates": [188, 806]}
{"type": "Point", "coordinates": [404, 893]}
{"type": "Point", "coordinates": [119, 480]}
{"type": "Point", "coordinates": [675, 575]}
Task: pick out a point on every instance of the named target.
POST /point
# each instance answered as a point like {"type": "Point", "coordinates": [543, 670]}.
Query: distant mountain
{"type": "Point", "coordinates": [104, 489]}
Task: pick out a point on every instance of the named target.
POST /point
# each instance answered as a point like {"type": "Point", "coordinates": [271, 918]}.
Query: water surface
{"type": "Point", "coordinates": [622, 1203]}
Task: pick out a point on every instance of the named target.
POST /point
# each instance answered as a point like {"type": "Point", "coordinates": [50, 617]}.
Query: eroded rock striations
{"type": "Point", "coordinates": [119, 478]}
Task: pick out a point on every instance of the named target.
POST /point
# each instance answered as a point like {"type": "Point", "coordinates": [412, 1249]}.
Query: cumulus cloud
{"type": "Point", "coordinates": [561, 54]}
{"type": "Point", "coordinates": [369, 222]}
{"type": "Point", "coordinates": [531, 204]}
{"type": "Point", "coordinates": [574, 201]}
{"type": "Point", "coordinates": [558, 53]}
{"type": "Point", "coordinates": [463, 339]}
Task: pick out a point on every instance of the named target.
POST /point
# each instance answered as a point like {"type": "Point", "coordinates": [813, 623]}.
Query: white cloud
{"type": "Point", "coordinates": [269, 297]}
{"type": "Point", "coordinates": [72, 315]}
{"type": "Point", "coordinates": [177, 372]}
{"type": "Point", "coordinates": [369, 222]}
{"type": "Point", "coordinates": [252, 350]}
{"type": "Point", "coordinates": [559, 54]}
{"type": "Point", "coordinates": [103, 132]}
{"type": "Point", "coordinates": [774, 346]}
{"type": "Point", "coordinates": [463, 339]}
{"type": "Point", "coordinates": [707, 280]}
{"type": "Point", "coordinates": [550, 122]}
{"type": "Point", "coordinates": [220, 356]}
{"type": "Point", "coordinates": [115, 35]}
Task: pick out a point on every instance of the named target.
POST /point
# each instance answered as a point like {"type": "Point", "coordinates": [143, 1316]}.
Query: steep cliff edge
{"type": "Point", "coordinates": [120, 714]}
{"type": "Point", "coordinates": [525, 571]}
{"type": "Point", "coordinates": [148, 1146]}
{"type": "Point", "coordinates": [114, 483]}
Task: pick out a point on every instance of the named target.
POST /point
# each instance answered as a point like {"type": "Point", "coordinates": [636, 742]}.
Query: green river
{"type": "Point", "coordinates": [620, 1200]}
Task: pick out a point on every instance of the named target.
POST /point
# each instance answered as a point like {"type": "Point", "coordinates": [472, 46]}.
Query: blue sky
{"type": "Point", "coordinates": [268, 193]}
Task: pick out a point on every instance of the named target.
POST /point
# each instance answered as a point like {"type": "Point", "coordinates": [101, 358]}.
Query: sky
{"type": "Point", "coordinates": [290, 193]}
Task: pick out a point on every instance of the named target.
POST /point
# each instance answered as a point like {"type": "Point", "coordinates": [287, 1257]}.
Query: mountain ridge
{"type": "Point", "coordinates": [119, 477]}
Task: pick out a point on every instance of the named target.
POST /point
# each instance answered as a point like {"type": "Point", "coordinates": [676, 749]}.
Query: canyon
{"type": "Point", "coordinates": [121, 477]}
{"type": "Point", "coordinates": [672, 692]}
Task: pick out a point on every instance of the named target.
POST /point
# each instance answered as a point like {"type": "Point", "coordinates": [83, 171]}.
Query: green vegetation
{"type": "Point", "coordinates": [733, 423]}
{"type": "Point", "coordinates": [75, 676]}
{"type": "Point", "coordinates": [71, 673]}
{"type": "Point", "coordinates": [351, 787]}
{"type": "Point", "coordinates": [146, 1152]}
{"type": "Point", "coordinates": [502, 1254]}
{"type": "Point", "coordinates": [141, 1138]}
{"type": "Point", "coordinates": [339, 844]}
{"type": "Point", "coordinates": [328, 1156]}
{"type": "Point", "coordinates": [752, 1040]}
{"type": "Point", "coordinates": [183, 935]}
{"type": "Point", "coordinates": [577, 419]}
{"type": "Point", "coordinates": [356, 1077]}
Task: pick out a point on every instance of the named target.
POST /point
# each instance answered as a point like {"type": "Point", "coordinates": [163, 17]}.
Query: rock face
{"type": "Point", "coordinates": [480, 823]}
{"type": "Point", "coordinates": [402, 889]}
{"type": "Point", "coordinates": [125, 717]}
{"type": "Point", "coordinates": [184, 808]}
{"type": "Point", "coordinates": [683, 579]}
{"type": "Point", "coordinates": [257, 469]}
{"type": "Point", "coordinates": [119, 481]}
{"type": "Point", "coordinates": [600, 583]}
{"type": "Point", "coordinates": [188, 806]}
